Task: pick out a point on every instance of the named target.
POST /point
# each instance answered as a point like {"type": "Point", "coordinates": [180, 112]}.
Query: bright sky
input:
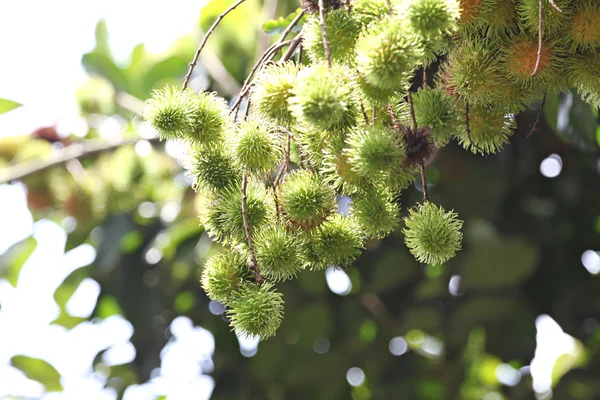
{"type": "Point", "coordinates": [41, 47]}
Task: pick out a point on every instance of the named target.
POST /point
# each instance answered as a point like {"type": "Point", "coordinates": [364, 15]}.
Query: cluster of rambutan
{"type": "Point", "coordinates": [346, 123]}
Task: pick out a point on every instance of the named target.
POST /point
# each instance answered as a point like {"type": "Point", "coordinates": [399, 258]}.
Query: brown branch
{"type": "Point", "coordinates": [277, 206]}
{"type": "Point", "coordinates": [389, 4]}
{"type": "Point", "coordinates": [536, 69]}
{"type": "Point", "coordinates": [76, 151]}
{"type": "Point", "coordinates": [364, 113]}
{"type": "Point", "coordinates": [293, 45]}
{"type": "Point", "coordinates": [291, 26]}
{"type": "Point", "coordinates": [553, 4]}
{"type": "Point", "coordinates": [186, 80]}
{"type": "Point", "coordinates": [412, 111]}
{"type": "Point", "coordinates": [424, 184]}
{"type": "Point", "coordinates": [393, 118]}
{"type": "Point", "coordinates": [538, 118]}
{"type": "Point", "coordinates": [324, 33]}
{"type": "Point", "coordinates": [254, 267]}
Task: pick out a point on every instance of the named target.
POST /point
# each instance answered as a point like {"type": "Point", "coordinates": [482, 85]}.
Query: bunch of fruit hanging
{"type": "Point", "coordinates": [336, 111]}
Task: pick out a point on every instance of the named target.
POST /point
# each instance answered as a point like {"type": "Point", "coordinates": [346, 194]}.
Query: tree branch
{"type": "Point", "coordinates": [254, 266]}
{"type": "Point", "coordinates": [324, 33]}
{"type": "Point", "coordinates": [77, 151]}
{"type": "Point", "coordinates": [186, 80]}
{"type": "Point", "coordinates": [538, 118]}
{"type": "Point", "coordinates": [536, 69]}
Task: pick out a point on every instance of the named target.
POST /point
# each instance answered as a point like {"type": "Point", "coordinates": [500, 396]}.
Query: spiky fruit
{"type": "Point", "coordinates": [338, 241]}
{"type": "Point", "coordinates": [272, 91]}
{"type": "Point", "coordinates": [434, 108]}
{"type": "Point", "coordinates": [432, 17]}
{"type": "Point", "coordinates": [342, 32]}
{"type": "Point", "coordinates": [469, 10]}
{"type": "Point", "coordinates": [473, 72]}
{"type": "Point", "coordinates": [323, 99]}
{"type": "Point", "coordinates": [401, 177]}
{"type": "Point", "coordinates": [367, 11]}
{"type": "Point", "coordinates": [211, 119]}
{"type": "Point", "coordinates": [553, 20]}
{"type": "Point", "coordinates": [418, 145]}
{"type": "Point", "coordinates": [373, 150]}
{"type": "Point", "coordinates": [171, 112]}
{"type": "Point", "coordinates": [584, 27]}
{"type": "Point", "coordinates": [584, 74]}
{"type": "Point", "coordinates": [277, 253]}
{"type": "Point", "coordinates": [432, 235]}
{"type": "Point", "coordinates": [212, 168]}
{"type": "Point", "coordinates": [520, 57]}
{"type": "Point", "coordinates": [376, 212]}
{"type": "Point", "coordinates": [337, 171]}
{"type": "Point", "coordinates": [490, 129]}
{"type": "Point", "coordinates": [256, 146]}
{"type": "Point", "coordinates": [256, 310]}
{"type": "Point", "coordinates": [222, 217]}
{"type": "Point", "coordinates": [306, 200]}
{"type": "Point", "coordinates": [223, 275]}
{"type": "Point", "coordinates": [386, 54]}
{"type": "Point", "coordinates": [500, 16]}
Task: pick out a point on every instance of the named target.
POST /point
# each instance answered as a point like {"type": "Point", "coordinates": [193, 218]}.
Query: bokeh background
{"type": "Point", "coordinates": [100, 257]}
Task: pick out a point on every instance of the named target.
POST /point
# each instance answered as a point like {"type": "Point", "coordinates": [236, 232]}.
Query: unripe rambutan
{"type": "Point", "coordinates": [338, 173]}
{"type": "Point", "coordinates": [434, 108]}
{"type": "Point", "coordinates": [499, 16]}
{"type": "Point", "coordinates": [212, 168]}
{"type": "Point", "coordinates": [171, 112]}
{"type": "Point", "coordinates": [432, 17]}
{"type": "Point", "coordinates": [342, 32]}
{"type": "Point", "coordinates": [277, 253]}
{"type": "Point", "coordinates": [367, 11]}
{"type": "Point", "coordinates": [221, 215]}
{"type": "Point", "coordinates": [272, 91]}
{"type": "Point", "coordinates": [469, 10]}
{"type": "Point", "coordinates": [374, 150]}
{"type": "Point", "coordinates": [314, 142]}
{"type": "Point", "coordinates": [553, 20]}
{"type": "Point", "coordinates": [387, 52]}
{"type": "Point", "coordinates": [584, 27]}
{"type": "Point", "coordinates": [223, 275]}
{"type": "Point", "coordinates": [376, 212]}
{"type": "Point", "coordinates": [211, 119]}
{"type": "Point", "coordinates": [520, 57]}
{"type": "Point", "coordinates": [338, 241]}
{"type": "Point", "coordinates": [256, 146]}
{"type": "Point", "coordinates": [322, 98]}
{"type": "Point", "coordinates": [432, 235]}
{"type": "Point", "coordinates": [584, 74]}
{"type": "Point", "coordinates": [305, 199]}
{"type": "Point", "coordinates": [473, 72]}
{"type": "Point", "coordinates": [256, 310]}
{"type": "Point", "coordinates": [374, 96]}
{"type": "Point", "coordinates": [401, 177]}
{"type": "Point", "coordinates": [490, 129]}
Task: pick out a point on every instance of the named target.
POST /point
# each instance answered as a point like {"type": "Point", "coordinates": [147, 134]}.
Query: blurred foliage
{"type": "Point", "coordinates": [524, 238]}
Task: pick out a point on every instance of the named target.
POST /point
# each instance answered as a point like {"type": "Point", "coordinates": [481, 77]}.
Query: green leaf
{"type": "Point", "coordinates": [12, 260]}
{"type": "Point", "coordinates": [108, 306]}
{"type": "Point", "coordinates": [40, 371]}
{"type": "Point", "coordinates": [277, 26]}
{"type": "Point", "coordinates": [8, 105]}
{"type": "Point", "coordinates": [101, 64]}
{"type": "Point", "coordinates": [572, 119]}
{"type": "Point", "coordinates": [167, 69]}
{"type": "Point", "coordinates": [498, 263]}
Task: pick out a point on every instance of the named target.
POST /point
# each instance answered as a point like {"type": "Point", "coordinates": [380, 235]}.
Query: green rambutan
{"type": "Point", "coordinates": [367, 11]}
{"type": "Point", "coordinates": [387, 53]}
{"type": "Point", "coordinates": [306, 199]}
{"type": "Point", "coordinates": [223, 275]}
{"type": "Point", "coordinates": [322, 98]}
{"type": "Point", "coordinates": [277, 253]}
{"type": "Point", "coordinates": [171, 112]}
{"type": "Point", "coordinates": [376, 212]}
{"type": "Point", "coordinates": [432, 17]}
{"type": "Point", "coordinates": [338, 241]}
{"type": "Point", "coordinates": [584, 26]}
{"type": "Point", "coordinates": [256, 310]}
{"type": "Point", "coordinates": [272, 91]}
{"type": "Point", "coordinates": [257, 146]}
{"type": "Point", "coordinates": [469, 11]}
{"type": "Point", "coordinates": [553, 20]}
{"type": "Point", "coordinates": [212, 168]}
{"type": "Point", "coordinates": [584, 74]}
{"type": "Point", "coordinates": [499, 16]}
{"type": "Point", "coordinates": [211, 119]}
{"type": "Point", "coordinates": [432, 235]}
{"type": "Point", "coordinates": [342, 32]}
{"type": "Point", "coordinates": [374, 150]}
{"type": "Point", "coordinates": [435, 108]}
{"type": "Point", "coordinates": [490, 127]}
{"type": "Point", "coordinates": [221, 215]}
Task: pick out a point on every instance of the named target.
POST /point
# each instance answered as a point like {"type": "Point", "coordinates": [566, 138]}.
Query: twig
{"type": "Point", "coordinates": [287, 153]}
{"type": "Point", "coordinates": [393, 118]}
{"type": "Point", "coordinates": [424, 183]}
{"type": "Point", "coordinates": [293, 45]}
{"type": "Point", "coordinates": [364, 113]}
{"type": "Point", "coordinates": [536, 69]}
{"type": "Point", "coordinates": [389, 3]}
{"type": "Point", "coordinates": [186, 80]}
{"type": "Point", "coordinates": [538, 118]}
{"type": "Point", "coordinates": [277, 207]}
{"type": "Point", "coordinates": [553, 4]}
{"type": "Point", "coordinates": [291, 26]}
{"type": "Point", "coordinates": [75, 151]}
{"type": "Point", "coordinates": [254, 267]}
{"type": "Point", "coordinates": [324, 33]}
{"type": "Point", "coordinates": [412, 111]}
{"type": "Point", "coordinates": [299, 56]}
